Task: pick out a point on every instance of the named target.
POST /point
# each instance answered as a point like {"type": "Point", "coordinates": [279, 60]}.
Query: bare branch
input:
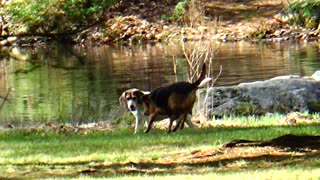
{"type": "Point", "coordinates": [217, 75]}
{"type": "Point", "coordinates": [5, 98]}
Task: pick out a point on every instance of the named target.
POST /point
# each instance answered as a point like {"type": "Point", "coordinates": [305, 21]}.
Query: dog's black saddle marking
{"type": "Point", "coordinates": [161, 95]}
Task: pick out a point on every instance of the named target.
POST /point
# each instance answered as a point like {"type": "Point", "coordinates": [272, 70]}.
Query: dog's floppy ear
{"type": "Point", "coordinates": [138, 94]}
{"type": "Point", "coordinates": [122, 100]}
{"type": "Point", "coordinates": [144, 98]}
{"type": "Point", "coordinates": [146, 104]}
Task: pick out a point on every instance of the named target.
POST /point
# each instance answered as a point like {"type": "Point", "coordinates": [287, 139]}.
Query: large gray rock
{"type": "Point", "coordinates": [281, 94]}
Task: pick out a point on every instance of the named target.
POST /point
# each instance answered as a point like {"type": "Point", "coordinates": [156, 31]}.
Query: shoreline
{"type": "Point", "coordinates": [124, 24]}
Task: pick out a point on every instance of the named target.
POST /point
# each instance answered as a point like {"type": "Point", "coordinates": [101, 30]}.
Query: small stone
{"type": "Point", "coordinates": [3, 42]}
{"type": "Point", "coordinates": [316, 75]}
{"type": "Point", "coordinates": [12, 39]}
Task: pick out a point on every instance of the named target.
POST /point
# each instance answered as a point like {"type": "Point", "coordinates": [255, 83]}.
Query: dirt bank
{"type": "Point", "coordinates": [228, 20]}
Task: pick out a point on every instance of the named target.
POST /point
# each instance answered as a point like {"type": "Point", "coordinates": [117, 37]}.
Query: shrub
{"type": "Point", "coordinates": [54, 16]}
{"type": "Point", "coordinates": [178, 12]}
{"type": "Point", "coordinates": [304, 13]}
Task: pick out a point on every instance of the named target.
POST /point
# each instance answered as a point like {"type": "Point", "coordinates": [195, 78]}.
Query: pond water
{"type": "Point", "coordinates": [83, 84]}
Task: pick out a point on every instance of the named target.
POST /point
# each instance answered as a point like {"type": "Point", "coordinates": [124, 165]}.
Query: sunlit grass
{"type": "Point", "coordinates": [268, 174]}
{"type": "Point", "coordinates": [120, 146]}
{"type": "Point", "coordinates": [272, 119]}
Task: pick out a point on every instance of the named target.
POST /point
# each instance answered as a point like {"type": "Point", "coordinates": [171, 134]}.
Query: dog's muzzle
{"type": "Point", "coordinates": [132, 108]}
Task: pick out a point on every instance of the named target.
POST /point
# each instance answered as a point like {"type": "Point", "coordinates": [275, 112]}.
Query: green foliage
{"type": "Point", "coordinates": [178, 12]}
{"type": "Point", "coordinates": [54, 16]}
{"type": "Point", "coordinates": [180, 9]}
{"type": "Point", "coordinates": [303, 13]}
{"type": "Point", "coordinates": [264, 31]}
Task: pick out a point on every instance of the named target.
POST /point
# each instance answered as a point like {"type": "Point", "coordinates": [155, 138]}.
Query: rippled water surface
{"type": "Point", "coordinates": [63, 83]}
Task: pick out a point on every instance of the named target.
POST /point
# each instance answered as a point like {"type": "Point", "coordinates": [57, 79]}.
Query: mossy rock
{"type": "Point", "coordinates": [314, 106]}
{"type": "Point", "coordinates": [246, 109]}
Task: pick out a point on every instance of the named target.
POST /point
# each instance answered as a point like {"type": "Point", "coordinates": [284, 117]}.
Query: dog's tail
{"type": "Point", "coordinates": [202, 79]}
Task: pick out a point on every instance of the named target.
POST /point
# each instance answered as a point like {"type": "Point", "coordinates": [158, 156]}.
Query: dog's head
{"type": "Point", "coordinates": [131, 98]}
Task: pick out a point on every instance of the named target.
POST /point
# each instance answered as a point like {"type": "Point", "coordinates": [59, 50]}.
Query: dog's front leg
{"type": "Point", "coordinates": [146, 120]}
{"type": "Point", "coordinates": [152, 117]}
{"type": "Point", "coordinates": [138, 121]}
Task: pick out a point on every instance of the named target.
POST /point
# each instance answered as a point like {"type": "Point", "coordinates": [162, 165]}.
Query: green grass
{"type": "Point", "coordinates": [43, 153]}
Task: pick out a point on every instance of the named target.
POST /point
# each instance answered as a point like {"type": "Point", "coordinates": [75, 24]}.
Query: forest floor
{"type": "Point", "coordinates": [227, 20]}
{"type": "Point", "coordinates": [245, 17]}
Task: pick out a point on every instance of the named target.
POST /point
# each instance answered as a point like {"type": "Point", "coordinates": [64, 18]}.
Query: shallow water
{"type": "Point", "coordinates": [73, 84]}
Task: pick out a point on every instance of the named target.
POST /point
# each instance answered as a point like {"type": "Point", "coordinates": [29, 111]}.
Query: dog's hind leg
{"type": "Point", "coordinates": [188, 121]}
{"type": "Point", "coordinates": [180, 122]}
{"type": "Point", "coordinates": [170, 124]}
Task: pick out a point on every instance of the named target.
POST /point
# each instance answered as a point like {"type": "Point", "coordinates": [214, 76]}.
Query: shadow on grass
{"type": "Point", "coordinates": [291, 141]}
{"type": "Point", "coordinates": [219, 165]}
{"type": "Point", "coordinates": [202, 165]}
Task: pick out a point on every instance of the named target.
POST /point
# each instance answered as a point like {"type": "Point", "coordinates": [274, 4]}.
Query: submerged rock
{"type": "Point", "coordinates": [282, 94]}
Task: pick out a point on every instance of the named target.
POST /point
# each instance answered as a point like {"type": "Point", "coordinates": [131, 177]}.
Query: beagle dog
{"type": "Point", "coordinates": [175, 100]}
{"type": "Point", "coordinates": [131, 100]}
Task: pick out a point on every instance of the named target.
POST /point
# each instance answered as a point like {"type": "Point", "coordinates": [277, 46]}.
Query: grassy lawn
{"type": "Point", "coordinates": [188, 154]}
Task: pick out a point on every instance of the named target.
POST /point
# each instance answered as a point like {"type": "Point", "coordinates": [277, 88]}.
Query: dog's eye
{"type": "Point", "coordinates": [134, 98]}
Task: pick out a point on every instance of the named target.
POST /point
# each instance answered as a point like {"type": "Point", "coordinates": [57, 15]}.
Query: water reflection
{"type": "Point", "coordinates": [63, 83]}
{"type": "Point", "coordinates": [246, 62]}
